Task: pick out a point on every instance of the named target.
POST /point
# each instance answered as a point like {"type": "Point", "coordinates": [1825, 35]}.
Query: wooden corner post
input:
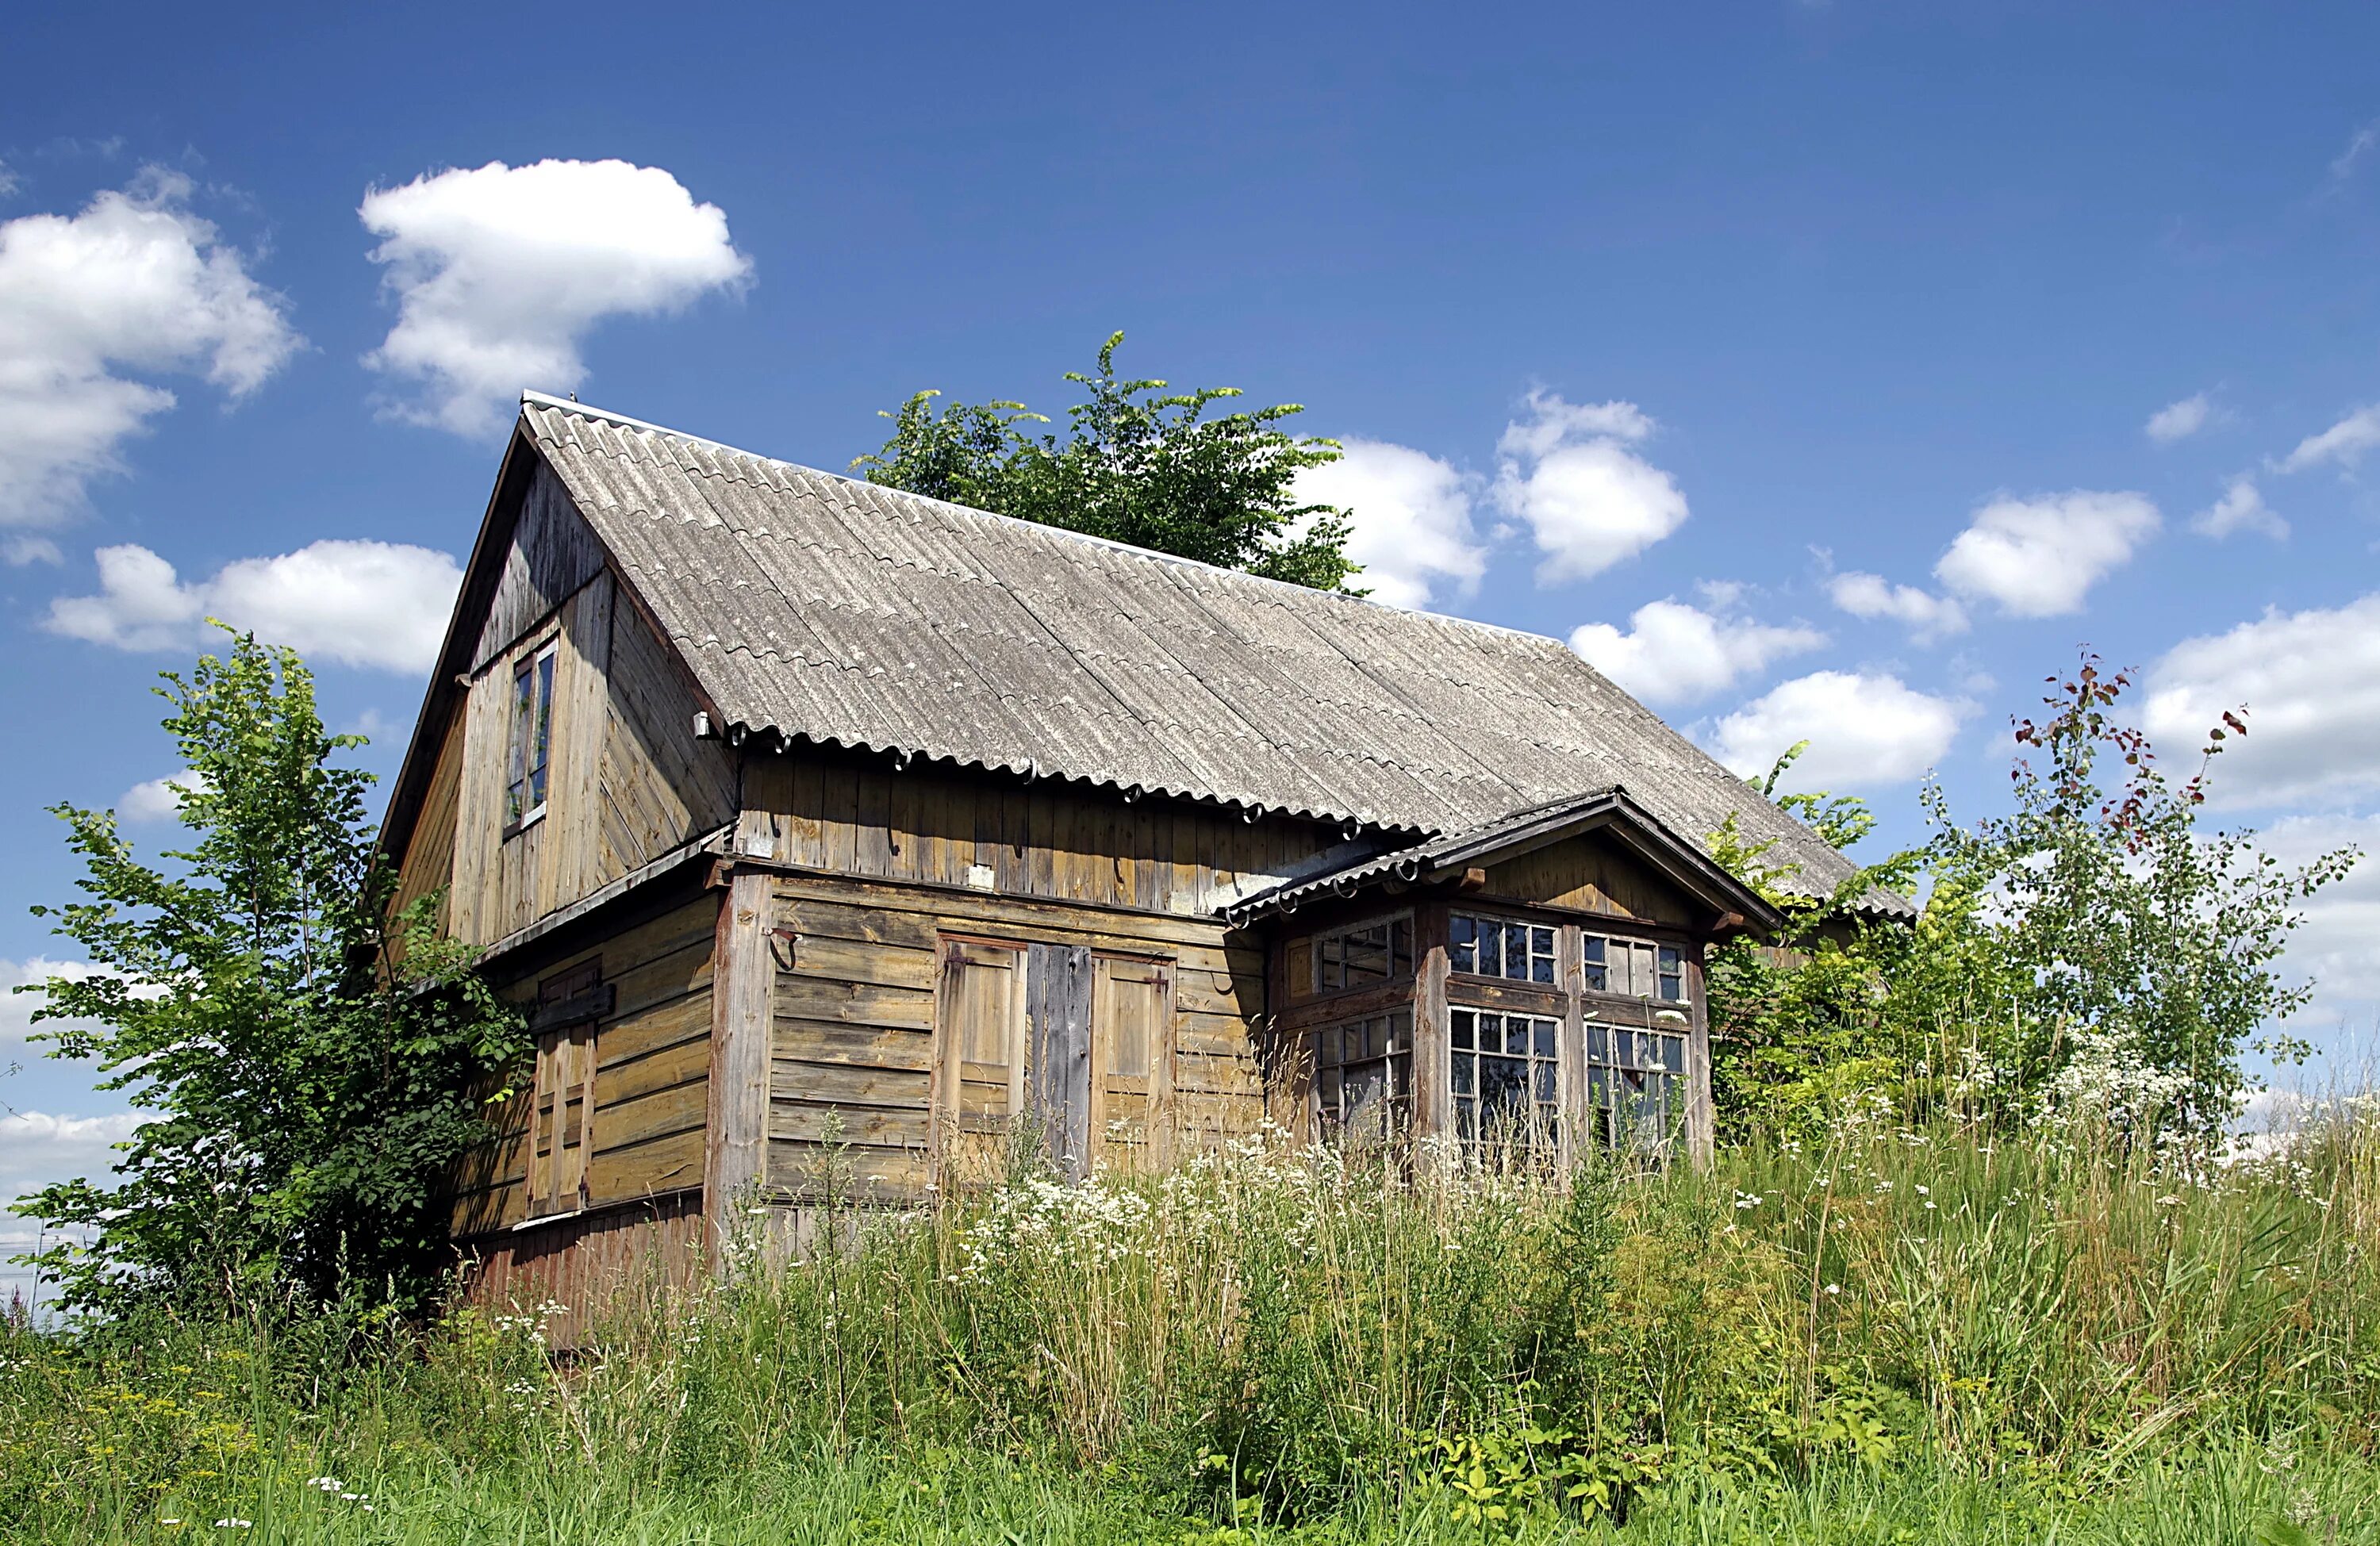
{"type": "Point", "coordinates": [736, 1146]}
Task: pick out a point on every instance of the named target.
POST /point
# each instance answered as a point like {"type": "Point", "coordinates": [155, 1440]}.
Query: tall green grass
{"type": "Point", "coordinates": [1890, 1335]}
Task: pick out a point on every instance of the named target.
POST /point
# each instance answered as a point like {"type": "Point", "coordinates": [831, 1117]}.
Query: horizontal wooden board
{"type": "Point", "coordinates": [843, 1084]}
{"type": "Point", "coordinates": [815, 1122]}
{"type": "Point", "coordinates": [819, 1041]}
{"type": "Point", "coordinates": [854, 1003]}
{"type": "Point", "coordinates": [815, 955]}
{"type": "Point", "coordinates": [862, 1172]}
{"type": "Point", "coordinates": [621, 1042]}
{"type": "Point", "coordinates": [685, 1061]}
{"type": "Point", "coordinates": [672, 1108]}
{"type": "Point", "coordinates": [666, 1162]}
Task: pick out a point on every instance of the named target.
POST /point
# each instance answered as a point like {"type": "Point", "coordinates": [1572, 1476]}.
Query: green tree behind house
{"type": "Point", "coordinates": [1138, 464]}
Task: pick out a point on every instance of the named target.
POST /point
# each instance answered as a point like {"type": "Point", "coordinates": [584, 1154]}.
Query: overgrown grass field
{"type": "Point", "coordinates": [1919, 1335]}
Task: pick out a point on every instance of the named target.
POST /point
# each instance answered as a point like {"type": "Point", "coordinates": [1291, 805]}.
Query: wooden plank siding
{"type": "Point", "coordinates": [652, 1058]}
{"type": "Point", "coordinates": [853, 1056]}
{"type": "Point", "coordinates": [588, 1263]}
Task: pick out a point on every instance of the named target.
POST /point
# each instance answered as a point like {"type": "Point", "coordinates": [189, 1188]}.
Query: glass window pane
{"type": "Point", "coordinates": [1460, 1024]}
{"type": "Point", "coordinates": [1598, 1044]}
{"type": "Point", "coordinates": [1673, 1054]}
{"type": "Point", "coordinates": [1598, 1088]}
{"type": "Point", "coordinates": [1491, 953]}
{"type": "Point", "coordinates": [1598, 979]}
{"type": "Point", "coordinates": [1466, 1119]}
{"type": "Point", "coordinates": [1401, 1033]}
{"type": "Point", "coordinates": [1400, 947]}
{"type": "Point", "coordinates": [1326, 1091]}
{"type": "Point", "coordinates": [1516, 950]}
{"type": "Point", "coordinates": [1547, 1076]}
{"type": "Point", "coordinates": [1546, 1030]}
{"type": "Point", "coordinates": [1461, 1074]}
{"type": "Point", "coordinates": [1462, 953]}
{"type": "Point", "coordinates": [1516, 1035]}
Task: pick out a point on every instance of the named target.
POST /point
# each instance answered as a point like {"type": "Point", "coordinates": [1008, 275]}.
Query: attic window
{"type": "Point", "coordinates": [1501, 947]}
{"type": "Point", "coordinates": [532, 739]}
{"type": "Point", "coordinates": [1632, 968]}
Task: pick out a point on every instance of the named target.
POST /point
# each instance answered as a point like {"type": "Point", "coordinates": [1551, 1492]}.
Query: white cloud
{"type": "Point", "coordinates": [378, 604]}
{"type": "Point", "coordinates": [499, 271]}
{"type": "Point", "coordinates": [17, 1009]}
{"type": "Point", "coordinates": [37, 1148]}
{"type": "Point", "coordinates": [2344, 443]}
{"type": "Point", "coordinates": [136, 283]}
{"type": "Point", "coordinates": [2310, 681]}
{"type": "Point", "coordinates": [2359, 145]}
{"type": "Point", "coordinates": [2179, 421]}
{"type": "Point", "coordinates": [1412, 519]}
{"type": "Point", "coordinates": [9, 181]}
{"type": "Point", "coordinates": [2335, 945]}
{"type": "Point", "coordinates": [158, 799]}
{"type": "Point", "coordinates": [2040, 557]}
{"type": "Point", "coordinates": [1864, 729]}
{"type": "Point", "coordinates": [1590, 501]}
{"type": "Point", "coordinates": [2241, 508]}
{"type": "Point", "coordinates": [1675, 653]}
{"type": "Point", "coordinates": [1927, 616]}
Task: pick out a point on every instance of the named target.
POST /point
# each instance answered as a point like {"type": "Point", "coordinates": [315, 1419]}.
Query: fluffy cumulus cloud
{"type": "Point", "coordinates": [375, 604]}
{"type": "Point", "coordinates": [499, 271]}
{"type": "Point", "coordinates": [158, 799]}
{"type": "Point", "coordinates": [17, 1009]}
{"type": "Point", "coordinates": [1864, 729]}
{"type": "Point", "coordinates": [1925, 615]}
{"type": "Point", "coordinates": [134, 285]}
{"type": "Point", "coordinates": [37, 1148]}
{"type": "Point", "coordinates": [2343, 445]}
{"type": "Point", "coordinates": [2335, 945]}
{"type": "Point", "coordinates": [1567, 471]}
{"type": "Point", "coordinates": [2241, 508]}
{"type": "Point", "coordinates": [2179, 421]}
{"type": "Point", "coordinates": [2039, 557]}
{"type": "Point", "coordinates": [2310, 682]}
{"type": "Point", "coordinates": [1677, 653]}
{"type": "Point", "coordinates": [1412, 518]}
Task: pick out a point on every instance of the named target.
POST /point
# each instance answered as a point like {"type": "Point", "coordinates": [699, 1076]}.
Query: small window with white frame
{"type": "Point", "coordinates": [1379, 951]}
{"type": "Point", "coordinates": [532, 737]}
{"type": "Point", "coordinates": [1504, 1075]}
{"type": "Point", "coordinates": [1504, 948]}
{"type": "Point", "coordinates": [1631, 968]}
{"type": "Point", "coordinates": [1363, 1077]}
{"type": "Point", "coordinates": [1635, 1083]}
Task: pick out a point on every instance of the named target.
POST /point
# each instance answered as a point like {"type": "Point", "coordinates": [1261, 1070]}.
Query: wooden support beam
{"type": "Point", "coordinates": [743, 973]}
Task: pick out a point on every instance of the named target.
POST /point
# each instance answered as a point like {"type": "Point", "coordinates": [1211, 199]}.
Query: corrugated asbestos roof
{"type": "Point", "coordinates": [827, 609]}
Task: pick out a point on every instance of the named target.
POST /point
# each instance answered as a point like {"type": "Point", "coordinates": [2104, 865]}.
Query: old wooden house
{"type": "Point", "coordinates": [807, 817]}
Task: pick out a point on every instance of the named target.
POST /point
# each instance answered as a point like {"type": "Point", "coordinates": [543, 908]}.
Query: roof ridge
{"type": "Point", "coordinates": [584, 410]}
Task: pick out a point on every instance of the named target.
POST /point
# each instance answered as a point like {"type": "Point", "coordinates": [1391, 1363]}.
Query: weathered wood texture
{"type": "Point", "coordinates": [735, 1156]}
{"type": "Point", "coordinates": [1587, 874]}
{"type": "Point", "coordinates": [626, 779]}
{"type": "Point", "coordinates": [429, 865]}
{"type": "Point", "coordinates": [842, 813]}
{"type": "Point", "coordinates": [587, 1264]}
{"type": "Point", "coordinates": [852, 1090]}
{"type": "Point", "coordinates": [652, 1055]}
{"type": "Point", "coordinates": [553, 552]}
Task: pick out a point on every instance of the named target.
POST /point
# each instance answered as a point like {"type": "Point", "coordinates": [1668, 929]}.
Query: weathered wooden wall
{"type": "Point", "coordinates": [652, 1057]}
{"type": "Point", "coordinates": [854, 1021]}
{"type": "Point", "coordinates": [587, 1262]}
{"type": "Point", "coordinates": [1587, 874]}
{"type": "Point", "coordinates": [627, 780]}
{"type": "Point", "coordinates": [819, 810]}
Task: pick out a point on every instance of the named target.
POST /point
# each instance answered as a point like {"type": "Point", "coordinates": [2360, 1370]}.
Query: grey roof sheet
{"type": "Point", "coordinates": [825, 607]}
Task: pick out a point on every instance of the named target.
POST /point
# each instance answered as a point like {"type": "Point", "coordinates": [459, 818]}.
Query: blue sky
{"type": "Point", "coordinates": [1839, 370]}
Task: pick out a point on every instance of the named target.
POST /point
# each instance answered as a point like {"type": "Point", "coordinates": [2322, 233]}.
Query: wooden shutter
{"type": "Point", "coordinates": [1057, 988]}
{"type": "Point", "coordinates": [981, 1046]}
{"type": "Point", "coordinates": [563, 1118]}
{"type": "Point", "coordinates": [1132, 1040]}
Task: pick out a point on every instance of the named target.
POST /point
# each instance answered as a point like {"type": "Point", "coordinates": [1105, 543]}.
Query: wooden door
{"type": "Point", "coordinates": [1059, 987]}
{"type": "Point", "coordinates": [1132, 1020]}
{"type": "Point", "coordinates": [980, 1037]}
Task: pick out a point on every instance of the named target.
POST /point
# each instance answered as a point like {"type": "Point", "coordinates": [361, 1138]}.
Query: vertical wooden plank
{"type": "Point", "coordinates": [805, 844]}
{"type": "Point", "coordinates": [1057, 995]}
{"type": "Point", "coordinates": [768, 785]}
{"type": "Point", "coordinates": [735, 1149]}
{"type": "Point", "coordinates": [839, 813]}
{"type": "Point", "coordinates": [990, 830]}
{"type": "Point", "coordinates": [572, 851]}
{"type": "Point", "coordinates": [1432, 1114]}
{"type": "Point", "coordinates": [904, 818]}
{"type": "Point", "coordinates": [872, 822]}
{"type": "Point", "coordinates": [1576, 1133]}
{"type": "Point", "coordinates": [1040, 842]}
{"type": "Point", "coordinates": [1701, 1116]}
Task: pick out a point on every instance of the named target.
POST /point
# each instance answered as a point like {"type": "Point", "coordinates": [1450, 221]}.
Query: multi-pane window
{"type": "Point", "coordinates": [1506, 1081]}
{"type": "Point", "coordinates": [1635, 1084]}
{"type": "Point", "coordinates": [1363, 1076]}
{"type": "Point", "coordinates": [1501, 947]}
{"type": "Point", "coordinates": [1377, 952]}
{"type": "Point", "coordinates": [532, 738]}
{"type": "Point", "coordinates": [1632, 968]}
